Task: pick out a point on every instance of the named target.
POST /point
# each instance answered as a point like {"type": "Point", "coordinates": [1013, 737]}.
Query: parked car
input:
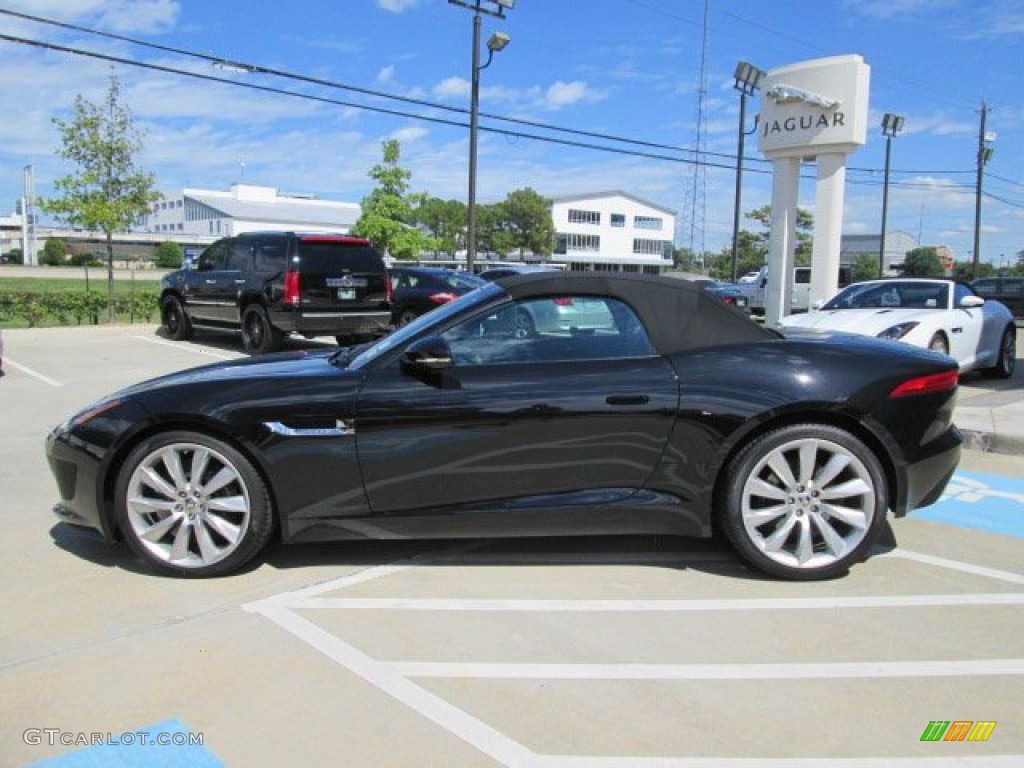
{"type": "Point", "coordinates": [510, 268]}
{"type": "Point", "coordinates": [269, 284]}
{"type": "Point", "coordinates": [679, 418]}
{"type": "Point", "coordinates": [417, 290]}
{"type": "Point", "coordinates": [1008, 291]}
{"type": "Point", "coordinates": [941, 315]}
{"type": "Point", "coordinates": [727, 293]}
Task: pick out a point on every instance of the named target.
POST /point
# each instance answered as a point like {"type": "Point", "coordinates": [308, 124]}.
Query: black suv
{"type": "Point", "coordinates": [269, 284]}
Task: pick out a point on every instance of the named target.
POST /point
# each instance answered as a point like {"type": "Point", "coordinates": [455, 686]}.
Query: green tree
{"type": "Point", "coordinates": [444, 222]}
{"type": "Point", "coordinates": [387, 218]}
{"type": "Point", "coordinates": [55, 252]}
{"type": "Point", "coordinates": [526, 218]}
{"type": "Point", "coordinates": [923, 262]}
{"type": "Point", "coordinates": [107, 191]}
{"type": "Point", "coordinates": [168, 255]}
{"type": "Point", "coordinates": [804, 232]}
{"type": "Point", "coordinates": [864, 267]}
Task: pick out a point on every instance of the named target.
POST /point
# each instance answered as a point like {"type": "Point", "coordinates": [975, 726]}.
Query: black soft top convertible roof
{"type": "Point", "coordinates": [679, 315]}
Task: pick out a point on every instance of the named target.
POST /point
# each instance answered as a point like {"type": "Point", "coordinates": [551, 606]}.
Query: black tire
{"type": "Point", "coordinates": [175, 321]}
{"type": "Point", "coordinates": [191, 505]}
{"type": "Point", "coordinates": [804, 502]}
{"type": "Point", "coordinates": [405, 317]}
{"type": "Point", "coordinates": [259, 336]}
{"type": "Point", "coordinates": [1006, 363]}
{"type": "Point", "coordinates": [525, 327]}
{"type": "Point", "coordinates": [938, 343]}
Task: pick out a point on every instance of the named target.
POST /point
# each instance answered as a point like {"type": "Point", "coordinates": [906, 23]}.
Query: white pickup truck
{"type": "Point", "coordinates": [800, 292]}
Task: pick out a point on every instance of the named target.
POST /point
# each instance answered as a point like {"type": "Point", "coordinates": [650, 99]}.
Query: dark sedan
{"type": "Point", "coordinates": [417, 290]}
{"type": "Point", "coordinates": [678, 416]}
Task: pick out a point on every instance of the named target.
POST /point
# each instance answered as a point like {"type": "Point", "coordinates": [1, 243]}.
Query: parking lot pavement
{"type": "Point", "coordinates": [557, 653]}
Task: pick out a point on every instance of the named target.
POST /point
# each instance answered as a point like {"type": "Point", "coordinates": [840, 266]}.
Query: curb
{"type": "Point", "coordinates": [988, 442]}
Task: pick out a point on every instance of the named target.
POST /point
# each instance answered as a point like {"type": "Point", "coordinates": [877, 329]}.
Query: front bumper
{"type": "Point", "coordinates": [77, 475]}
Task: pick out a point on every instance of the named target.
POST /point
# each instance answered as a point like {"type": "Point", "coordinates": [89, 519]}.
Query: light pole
{"type": "Point", "coordinates": [748, 79]}
{"type": "Point", "coordinates": [891, 125]}
{"type": "Point", "coordinates": [985, 150]}
{"type": "Point", "coordinates": [496, 43]}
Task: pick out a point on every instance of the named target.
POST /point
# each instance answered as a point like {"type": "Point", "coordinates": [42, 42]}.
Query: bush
{"type": "Point", "coordinates": [54, 254]}
{"type": "Point", "coordinates": [76, 307]}
{"type": "Point", "coordinates": [168, 255]}
{"type": "Point", "coordinates": [88, 260]}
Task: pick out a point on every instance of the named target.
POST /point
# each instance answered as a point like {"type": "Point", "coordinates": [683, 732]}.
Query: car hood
{"type": "Point", "coordinates": [867, 322]}
{"type": "Point", "coordinates": [283, 365]}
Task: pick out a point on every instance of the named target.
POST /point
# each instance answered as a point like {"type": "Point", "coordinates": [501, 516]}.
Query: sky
{"type": "Point", "coordinates": [589, 96]}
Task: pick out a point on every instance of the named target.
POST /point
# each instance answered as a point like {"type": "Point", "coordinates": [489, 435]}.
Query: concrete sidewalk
{"type": "Point", "coordinates": [992, 421]}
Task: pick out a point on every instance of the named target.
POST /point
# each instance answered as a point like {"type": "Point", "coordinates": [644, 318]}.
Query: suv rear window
{"type": "Point", "coordinates": [325, 255]}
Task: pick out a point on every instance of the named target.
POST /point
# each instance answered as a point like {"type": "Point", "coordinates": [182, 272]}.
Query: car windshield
{"type": "Point", "coordinates": [437, 316]}
{"type": "Point", "coordinates": [904, 294]}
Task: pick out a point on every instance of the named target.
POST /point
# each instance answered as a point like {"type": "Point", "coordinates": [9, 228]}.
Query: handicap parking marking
{"type": "Point", "coordinates": [166, 744]}
{"type": "Point", "coordinates": [400, 678]}
{"type": "Point", "coordinates": [991, 503]}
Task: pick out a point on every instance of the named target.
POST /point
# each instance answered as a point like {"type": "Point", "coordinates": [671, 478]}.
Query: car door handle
{"type": "Point", "coordinates": [210, 282]}
{"type": "Point", "coordinates": [627, 399]}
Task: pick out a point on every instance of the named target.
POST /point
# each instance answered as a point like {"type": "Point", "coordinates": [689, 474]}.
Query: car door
{"type": "Point", "coordinates": [203, 284]}
{"type": "Point", "coordinates": [966, 325]}
{"type": "Point", "coordinates": [552, 419]}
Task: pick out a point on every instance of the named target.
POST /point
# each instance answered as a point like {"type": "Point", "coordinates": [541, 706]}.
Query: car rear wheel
{"type": "Point", "coordinates": [939, 344]}
{"type": "Point", "coordinates": [405, 317]}
{"type": "Point", "coordinates": [1006, 363]}
{"type": "Point", "coordinates": [258, 335]}
{"type": "Point", "coordinates": [191, 505]}
{"type": "Point", "coordinates": [804, 502]}
{"type": "Point", "coordinates": [175, 321]}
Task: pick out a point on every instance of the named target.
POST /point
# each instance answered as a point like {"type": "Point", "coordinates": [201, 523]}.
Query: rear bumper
{"type": "Point", "coordinates": [926, 479]}
{"type": "Point", "coordinates": [329, 323]}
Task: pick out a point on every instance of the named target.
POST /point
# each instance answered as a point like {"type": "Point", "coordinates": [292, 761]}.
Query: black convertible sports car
{"type": "Point", "coordinates": [664, 412]}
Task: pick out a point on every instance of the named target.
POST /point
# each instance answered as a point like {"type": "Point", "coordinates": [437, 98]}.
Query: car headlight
{"type": "Point", "coordinates": [897, 331]}
{"type": "Point", "coordinates": [89, 413]}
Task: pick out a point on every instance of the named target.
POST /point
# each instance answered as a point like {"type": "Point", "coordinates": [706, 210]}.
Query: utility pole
{"type": "Point", "coordinates": [28, 225]}
{"type": "Point", "coordinates": [984, 155]}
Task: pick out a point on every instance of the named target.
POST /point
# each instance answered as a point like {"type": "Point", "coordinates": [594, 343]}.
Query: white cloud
{"type": "Point", "coordinates": [386, 75]}
{"type": "Point", "coordinates": [409, 134]}
{"type": "Point", "coordinates": [559, 95]}
{"type": "Point", "coordinates": [117, 15]}
{"type": "Point", "coordinates": [451, 88]}
{"type": "Point", "coordinates": [396, 6]}
{"type": "Point", "coordinates": [892, 9]}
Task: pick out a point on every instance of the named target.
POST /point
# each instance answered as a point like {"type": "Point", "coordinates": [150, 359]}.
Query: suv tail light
{"type": "Point", "coordinates": [441, 298]}
{"type": "Point", "coordinates": [291, 288]}
{"type": "Point", "coordinates": [562, 301]}
{"type": "Point", "coordinates": [387, 287]}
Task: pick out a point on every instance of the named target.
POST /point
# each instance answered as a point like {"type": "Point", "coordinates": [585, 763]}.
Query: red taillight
{"type": "Point", "coordinates": [387, 287]}
{"type": "Point", "coordinates": [728, 299]}
{"type": "Point", "coordinates": [936, 382]}
{"type": "Point", "coordinates": [291, 288]}
{"type": "Point", "coordinates": [563, 301]}
{"type": "Point", "coordinates": [442, 298]}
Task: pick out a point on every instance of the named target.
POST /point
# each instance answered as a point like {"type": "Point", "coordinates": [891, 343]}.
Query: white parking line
{"type": "Point", "coordinates": [188, 348]}
{"type": "Point", "coordinates": [862, 670]}
{"type": "Point", "coordinates": [396, 677]}
{"type": "Point", "coordinates": [34, 374]}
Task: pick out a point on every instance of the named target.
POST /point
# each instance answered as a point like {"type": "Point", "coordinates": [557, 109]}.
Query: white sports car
{"type": "Point", "coordinates": [941, 315]}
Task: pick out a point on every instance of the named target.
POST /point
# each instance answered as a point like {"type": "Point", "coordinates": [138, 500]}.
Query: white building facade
{"type": "Point", "coordinates": [612, 232]}
{"type": "Point", "coordinates": [209, 213]}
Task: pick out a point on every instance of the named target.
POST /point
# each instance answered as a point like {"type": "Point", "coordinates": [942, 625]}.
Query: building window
{"type": "Point", "coordinates": [577, 216]}
{"type": "Point", "coordinates": [650, 247]}
{"type": "Point", "coordinates": [574, 242]}
{"type": "Point", "coordinates": [618, 219]}
{"type": "Point", "coordinates": [647, 222]}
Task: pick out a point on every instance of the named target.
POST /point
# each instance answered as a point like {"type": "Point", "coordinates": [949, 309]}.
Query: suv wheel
{"type": "Point", "coordinates": [175, 321]}
{"type": "Point", "coordinates": [259, 336]}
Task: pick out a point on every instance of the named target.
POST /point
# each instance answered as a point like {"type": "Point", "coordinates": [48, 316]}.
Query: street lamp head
{"type": "Point", "coordinates": [510, 4]}
{"type": "Point", "coordinates": [498, 40]}
{"type": "Point", "coordinates": [748, 77]}
{"type": "Point", "coordinates": [892, 124]}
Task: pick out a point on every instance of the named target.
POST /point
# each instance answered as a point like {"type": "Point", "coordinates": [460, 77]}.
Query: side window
{"type": "Point", "coordinates": [985, 287]}
{"type": "Point", "coordinates": [213, 258]}
{"type": "Point", "coordinates": [239, 255]}
{"type": "Point", "coordinates": [269, 257]}
{"type": "Point", "coordinates": [549, 330]}
{"type": "Point", "coordinates": [1013, 286]}
{"type": "Point", "coordinates": [802, 276]}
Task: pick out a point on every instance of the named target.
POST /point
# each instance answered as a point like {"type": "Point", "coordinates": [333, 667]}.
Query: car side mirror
{"type": "Point", "coordinates": [971, 302]}
{"type": "Point", "coordinates": [430, 360]}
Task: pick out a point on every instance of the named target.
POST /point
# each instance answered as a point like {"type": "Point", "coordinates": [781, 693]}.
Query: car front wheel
{"type": "Point", "coordinates": [191, 505]}
{"type": "Point", "coordinates": [804, 502]}
{"type": "Point", "coordinates": [175, 321]}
